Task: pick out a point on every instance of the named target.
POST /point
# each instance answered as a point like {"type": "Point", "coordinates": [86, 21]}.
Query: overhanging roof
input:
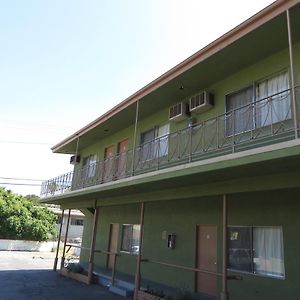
{"type": "Point", "coordinates": [229, 53]}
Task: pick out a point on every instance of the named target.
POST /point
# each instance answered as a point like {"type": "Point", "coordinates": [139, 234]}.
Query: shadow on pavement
{"type": "Point", "coordinates": [46, 284]}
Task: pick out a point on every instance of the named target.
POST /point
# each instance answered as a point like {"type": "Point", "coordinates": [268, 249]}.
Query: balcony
{"type": "Point", "coordinates": [259, 123]}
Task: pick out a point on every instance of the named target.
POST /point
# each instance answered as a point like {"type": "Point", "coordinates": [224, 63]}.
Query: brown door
{"type": "Point", "coordinates": [122, 158]}
{"type": "Point", "coordinates": [207, 259]}
{"type": "Point", "coordinates": [108, 167]}
{"type": "Point", "coordinates": [113, 244]}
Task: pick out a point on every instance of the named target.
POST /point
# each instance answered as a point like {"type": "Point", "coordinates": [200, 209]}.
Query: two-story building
{"type": "Point", "coordinates": [193, 181]}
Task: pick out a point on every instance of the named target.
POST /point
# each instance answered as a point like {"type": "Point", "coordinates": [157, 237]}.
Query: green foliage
{"type": "Point", "coordinates": [21, 218]}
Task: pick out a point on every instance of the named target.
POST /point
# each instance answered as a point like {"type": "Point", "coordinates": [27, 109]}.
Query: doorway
{"type": "Point", "coordinates": [206, 259]}
{"type": "Point", "coordinates": [122, 159]}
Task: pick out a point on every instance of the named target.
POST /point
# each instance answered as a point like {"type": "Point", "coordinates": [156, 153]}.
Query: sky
{"type": "Point", "coordinates": [63, 63]}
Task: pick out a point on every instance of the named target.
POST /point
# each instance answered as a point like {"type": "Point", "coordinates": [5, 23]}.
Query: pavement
{"type": "Point", "coordinates": [29, 275]}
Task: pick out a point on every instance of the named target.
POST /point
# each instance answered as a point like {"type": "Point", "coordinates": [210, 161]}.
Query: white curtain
{"type": "Point", "coordinates": [268, 251]}
{"type": "Point", "coordinates": [163, 142]}
{"type": "Point", "coordinates": [274, 107]}
{"type": "Point", "coordinates": [239, 116]}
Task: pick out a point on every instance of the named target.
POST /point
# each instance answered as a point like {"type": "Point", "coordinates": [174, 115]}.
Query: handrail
{"type": "Point", "coordinates": [181, 267]}
{"type": "Point", "coordinates": [253, 121]}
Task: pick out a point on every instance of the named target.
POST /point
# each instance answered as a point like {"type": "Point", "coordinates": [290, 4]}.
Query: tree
{"type": "Point", "coordinates": [21, 218]}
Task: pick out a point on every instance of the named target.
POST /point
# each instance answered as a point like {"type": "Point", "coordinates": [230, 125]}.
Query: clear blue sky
{"type": "Point", "coordinates": [64, 63]}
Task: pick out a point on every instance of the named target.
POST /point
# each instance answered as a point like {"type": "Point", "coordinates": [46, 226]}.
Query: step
{"type": "Point", "coordinates": [121, 291]}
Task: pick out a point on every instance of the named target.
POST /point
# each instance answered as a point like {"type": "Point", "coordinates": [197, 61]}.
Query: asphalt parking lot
{"type": "Point", "coordinates": [29, 275]}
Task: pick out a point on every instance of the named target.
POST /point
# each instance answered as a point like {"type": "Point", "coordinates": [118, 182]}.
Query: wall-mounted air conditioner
{"type": "Point", "coordinates": [178, 112]}
{"type": "Point", "coordinates": [74, 159]}
{"type": "Point", "coordinates": [201, 102]}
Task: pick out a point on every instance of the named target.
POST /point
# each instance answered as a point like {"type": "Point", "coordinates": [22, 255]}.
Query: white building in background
{"type": "Point", "coordinates": [75, 226]}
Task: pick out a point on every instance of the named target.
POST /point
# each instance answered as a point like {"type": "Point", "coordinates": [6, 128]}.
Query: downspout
{"type": "Point", "coordinates": [294, 103]}
{"type": "Point", "coordinates": [58, 242]}
{"type": "Point", "coordinates": [224, 293]}
{"type": "Point", "coordinates": [139, 257]}
{"type": "Point", "coordinates": [134, 136]}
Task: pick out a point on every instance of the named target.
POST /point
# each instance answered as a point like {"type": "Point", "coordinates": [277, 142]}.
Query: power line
{"type": "Point", "coordinates": [27, 184]}
{"type": "Point", "coordinates": [26, 179]}
{"type": "Point", "coordinates": [25, 143]}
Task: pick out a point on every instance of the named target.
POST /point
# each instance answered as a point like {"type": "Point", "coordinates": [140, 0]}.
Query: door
{"type": "Point", "coordinates": [122, 158]}
{"type": "Point", "coordinates": [206, 259]}
{"type": "Point", "coordinates": [112, 244]}
{"type": "Point", "coordinates": [108, 167]}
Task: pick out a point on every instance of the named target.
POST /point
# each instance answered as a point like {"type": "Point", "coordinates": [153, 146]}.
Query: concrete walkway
{"type": "Point", "coordinates": [28, 275]}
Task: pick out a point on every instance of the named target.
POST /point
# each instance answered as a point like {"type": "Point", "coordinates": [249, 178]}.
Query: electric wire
{"type": "Point", "coordinates": [26, 184]}
{"type": "Point", "coordinates": [26, 179]}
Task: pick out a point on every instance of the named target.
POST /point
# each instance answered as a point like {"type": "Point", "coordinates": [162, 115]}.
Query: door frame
{"type": "Point", "coordinates": [109, 241]}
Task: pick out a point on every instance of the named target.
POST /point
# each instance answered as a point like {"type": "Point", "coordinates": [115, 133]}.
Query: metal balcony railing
{"type": "Point", "coordinates": [266, 121]}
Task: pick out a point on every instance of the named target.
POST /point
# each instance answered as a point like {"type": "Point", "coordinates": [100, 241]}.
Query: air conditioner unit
{"type": "Point", "coordinates": [178, 112]}
{"type": "Point", "coordinates": [74, 159]}
{"type": "Point", "coordinates": [201, 102]}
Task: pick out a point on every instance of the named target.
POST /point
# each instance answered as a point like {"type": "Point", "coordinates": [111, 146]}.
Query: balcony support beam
{"type": "Point", "coordinates": [224, 293]}
{"type": "Point", "coordinates": [58, 242]}
{"type": "Point", "coordinates": [65, 242]}
{"type": "Point", "coordinates": [139, 256]}
{"type": "Point", "coordinates": [292, 78]}
{"type": "Point", "coordinates": [93, 244]}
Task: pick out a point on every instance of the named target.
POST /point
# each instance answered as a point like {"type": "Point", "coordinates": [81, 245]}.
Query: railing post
{"type": "Point", "coordinates": [292, 74]}
{"type": "Point", "coordinates": [139, 256]}
{"type": "Point", "coordinates": [134, 136]}
{"type": "Point", "coordinates": [233, 131]}
{"type": "Point", "coordinates": [224, 293]}
{"type": "Point", "coordinates": [93, 244]}
{"type": "Point", "coordinates": [58, 242]}
{"type": "Point", "coordinates": [65, 242]}
{"type": "Point", "coordinates": [190, 143]}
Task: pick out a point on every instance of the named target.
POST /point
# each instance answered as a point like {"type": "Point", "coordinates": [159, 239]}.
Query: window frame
{"type": "Point", "coordinates": [254, 86]}
{"type": "Point", "coordinates": [131, 239]}
{"type": "Point", "coordinates": [252, 227]}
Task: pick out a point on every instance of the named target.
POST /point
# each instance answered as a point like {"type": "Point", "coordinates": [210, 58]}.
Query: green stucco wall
{"type": "Point", "coordinates": [277, 208]}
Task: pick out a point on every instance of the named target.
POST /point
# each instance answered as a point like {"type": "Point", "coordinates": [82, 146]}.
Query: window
{"type": "Point", "coordinates": [130, 238]}
{"type": "Point", "coordinates": [261, 104]}
{"type": "Point", "coordinates": [155, 142]}
{"type": "Point", "coordinates": [76, 222]}
{"type": "Point", "coordinates": [257, 250]}
{"type": "Point", "coordinates": [89, 166]}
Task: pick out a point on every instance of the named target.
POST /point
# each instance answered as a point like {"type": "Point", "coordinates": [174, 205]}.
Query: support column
{"type": "Point", "coordinates": [294, 102]}
{"type": "Point", "coordinates": [224, 293]}
{"type": "Point", "coordinates": [58, 242]}
{"type": "Point", "coordinates": [92, 248]}
{"type": "Point", "coordinates": [65, 242]}
{"type": "Point", "coordinates": [134, 136]}
{"type": "Point", "coordinates": [139, 257]}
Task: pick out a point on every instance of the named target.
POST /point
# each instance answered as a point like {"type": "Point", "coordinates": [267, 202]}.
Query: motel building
{"type": "Point", "coordinates": [192, 184]}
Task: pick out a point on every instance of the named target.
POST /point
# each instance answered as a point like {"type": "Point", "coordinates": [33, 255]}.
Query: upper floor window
{"type": "Point", "coordinates": [155, 142]}
{"type": "Point", "coordinates": [257, 250]}
{"type": "Point", "coordinates": [89, 166]}
{"type": "Point", "coordinates": [264, 103]}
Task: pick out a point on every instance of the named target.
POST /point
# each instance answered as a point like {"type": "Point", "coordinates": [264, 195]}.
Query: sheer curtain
{"type": "Point", "coordinates": [239, 110]}
{"type": "Point", "coordinates": [268, 251]}
{"type": "Point", "coordinates": [163, 142]}
{"type": "Point", "coordinates": [276, 107]}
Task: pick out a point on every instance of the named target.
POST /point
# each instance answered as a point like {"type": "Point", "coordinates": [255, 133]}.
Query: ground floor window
{"type": "Point", "coordinates": [130, 238]}
{"type": "Point", "coordinates": [257, 250]}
